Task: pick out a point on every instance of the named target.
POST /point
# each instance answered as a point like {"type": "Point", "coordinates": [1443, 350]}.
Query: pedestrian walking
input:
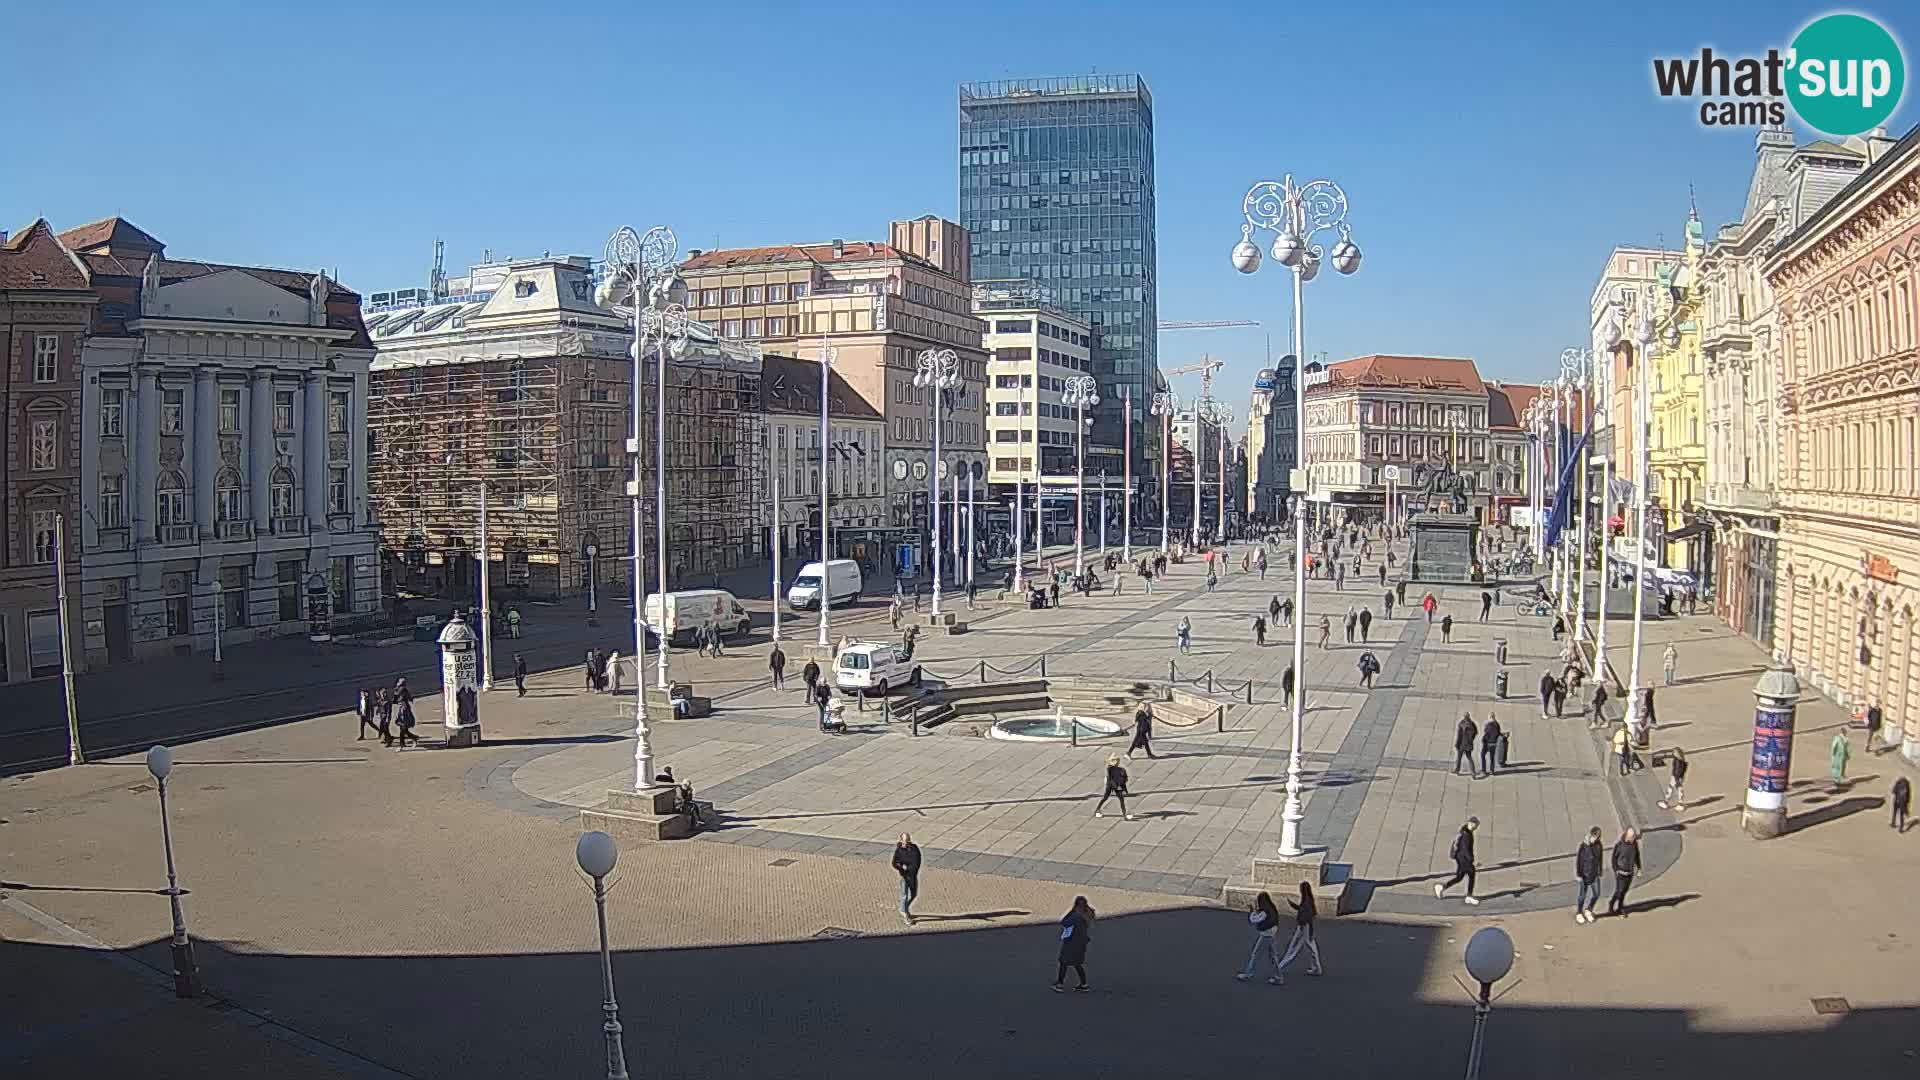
{"type": "Point", "coordinates": [613, 670]}
{"type": "Point", "coordinates": [382, 706]}
{"type": "Point", "coordinates": [1400, 592]}
{"type": "Point", "coordinates": [1116, 788]}
{"type": "Point", "coordinates": [1837, 754]}
{"type": "Point", "coordinates": [1273, 610]}
{"type": "Point", "coordinates": [1559, 698]}
{"type": "Point", "coordinates": [1547, 682]}
{"type": "Point", "coordinates": [1075, 929]}
{"type": "Point", "coordinates": [1369, 667]}
{"type": "Point", "coordinates": [906, 862]}
{"type": "Point", "coordinates": [1463, 867]}
{"type": "Point", "coordinates": [1265, 920]}
{"type": "Point", "coordinates": [811, 674]}
{"type": "Point", "coordinates": [1183, 635]}
{"type": "Point", "coordinates": [1465, 735]}
{"type": "Point", "coordinates": [716, 645]}
{"type": "Point", "coordinates": [364, 709]}
{"type": "Point", "coordinates": [1446, 628]}
{"type": "Point", "coordinates": [822, 704]}
{"type": "Point", "coordinates": [1626, 863]}
{"type": "Point", "coordinates": [1902, 799]}
{"type": "Point", "coordinates": [1875, 718]}
{"type": "Point", "coordinates": [1383, 575]}
{"type": "Point", "coordinates": [1386, 603]}
{"type": "Point", "coordinates": [520, 674]}
{"type": "Point", "coordinates": [1675, 796]}
{"type": "Point", "coordinates": [1054, 593]}
{"type": "Point", "coordinates": [1599, 715]}
{"type": "Point", "coordinates": [1587, 859]}
{"type": "Point", "coordinates": [1142, 732]}
{"type": "Point", "coordinates": [1286, 612]}
{"type": "Point", "coordinates": [1429, 605]}
{"type": "Point", "coordinates": [1352, 622]}
{"type": "Point", "coordinates": [1260, 630]}
{"type": "Point", "coordinates": [1559, 627]}
{"type": "Point", "coordinates": [404, 720]}
{"type": "Point", "coordinates": [1366, 621]}
{"type": "Point", "coordinates": [1340, 575]}
{"type": "Point", "coordinates": [1304, 913]}
{"type": "Point", "coordinates": [1326, 631]}
{"type": "Point", "coordinates": [1486, 605]}
{"type": "Point", "coordinates": [1286, 686]}
{"type": "Point", "coordinates": [777, 666]}
{"type": "Point", "coordinates": [1623, 748]}
{"type": "Point", "coordinates": [973, 590]}
{"type": "Point", "coordinates": [1213, 580]}
{"type": "Point", "coordinates": [1669, 659]}
{"type": "Point", "coordinates": [1490, 738]}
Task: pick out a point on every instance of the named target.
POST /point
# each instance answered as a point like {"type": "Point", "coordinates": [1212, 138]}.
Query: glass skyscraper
{"type": "Point", "coordinates": [1056, 186]}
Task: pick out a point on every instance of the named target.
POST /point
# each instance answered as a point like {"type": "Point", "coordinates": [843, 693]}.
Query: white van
{"type": "Point", "coordinates": [874, 668]}
{"type": "Point", "coordinates": [693, 609]}
{"type": "Point", "coordinates": [843, 585]}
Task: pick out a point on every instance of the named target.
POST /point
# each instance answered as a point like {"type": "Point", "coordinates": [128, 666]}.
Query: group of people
{"type": "Point", "coordinates": [603, 671]}
{"type": "Point", "coordinates": [388, 713]}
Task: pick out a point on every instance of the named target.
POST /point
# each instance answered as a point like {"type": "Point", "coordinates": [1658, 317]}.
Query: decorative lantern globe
{"type": "Point", "coordinates": [1287, 249]}
{"type": "Point", "coordinates": [1309, 266]}
{"type": "Point", "coordinates": [1246, 256]}
{"type": "Point", "coordinates": [1346, 256]}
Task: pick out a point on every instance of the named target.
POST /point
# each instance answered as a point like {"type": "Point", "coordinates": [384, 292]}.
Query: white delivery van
{"type": "Point", "coordinates": [693, 609]}
{"type": "Point", "coordinates": [843, 585]}
{"type": "Point", "coordinates": [874, 668]}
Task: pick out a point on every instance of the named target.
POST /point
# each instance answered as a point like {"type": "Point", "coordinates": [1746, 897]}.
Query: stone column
{"type": "Point", "coordinates": [141, 509]}
{"type": "Point", "coordinates": [1765, 813]}
{"type": "Point", "coordinates": [313, 452]}
{"type": "Point", "coordinates": [361, 501]}
{"type": "Point", "coordinates": [260, 445]}
{"type": "Point", "coordinates": [204, 458]}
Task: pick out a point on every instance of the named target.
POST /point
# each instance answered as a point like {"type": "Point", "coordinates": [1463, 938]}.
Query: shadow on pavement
{"type": "Point", "coordinates": [848, 1004]}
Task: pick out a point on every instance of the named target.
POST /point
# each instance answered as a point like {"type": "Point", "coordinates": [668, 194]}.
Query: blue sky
{"type": "Point", "coordinates": [1492, 152]}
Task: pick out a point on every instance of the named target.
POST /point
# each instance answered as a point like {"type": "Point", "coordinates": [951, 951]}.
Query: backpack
{"type": "Point", "coordinates": [1454, 851]}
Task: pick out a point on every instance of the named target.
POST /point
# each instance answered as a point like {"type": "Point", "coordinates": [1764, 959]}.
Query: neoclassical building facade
{"type": "Point", "coordinates": [1849, 402]}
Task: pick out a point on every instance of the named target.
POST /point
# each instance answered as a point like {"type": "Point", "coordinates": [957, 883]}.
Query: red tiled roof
{"type": "Point", "coordinates": [1507, 404]}
{"type": "Point", "coordinates": [852, 251]}
{"type": "Point", "coordinates": [1410, 372]}
{"type": "Point", "coordinates": [111, 232]}
{"type": "Point", "coordinates": [34, 258]}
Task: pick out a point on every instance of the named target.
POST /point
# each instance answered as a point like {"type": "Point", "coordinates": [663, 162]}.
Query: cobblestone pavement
{"type": "Point", "coordinates": [365, 912]}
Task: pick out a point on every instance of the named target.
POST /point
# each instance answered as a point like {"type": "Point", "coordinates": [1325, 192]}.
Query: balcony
{"type": "Point", "coordinates": [290, 526]}
{"type": "Point", "coordinates": [1740, 498]}
{"type": "Point", "coordinates": [234, 529]}
{"type": "Point", "coordinates": [177, 534]}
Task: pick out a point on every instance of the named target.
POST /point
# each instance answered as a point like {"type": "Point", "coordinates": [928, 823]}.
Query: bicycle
{"type": "Point", "coordinates": [1536, 607]}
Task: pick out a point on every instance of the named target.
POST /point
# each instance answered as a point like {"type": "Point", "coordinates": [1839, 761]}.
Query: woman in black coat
{"type": "Point", "coordinates": [1075, 928]}
{"type": "Point", "coordinates": [1116, 788]}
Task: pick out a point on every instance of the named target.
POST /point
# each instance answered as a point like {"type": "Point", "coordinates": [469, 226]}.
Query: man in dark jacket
{"type": "Point", "coordinates": [1446, 628]}
{"type": "Point", "coordinates": [1259, 630]}
{"type": "Point", "coordinates": [1142, 730]}
{"type": "Point", "coordinates": [1490, 737]}
{"type": "Point", "coordinates": [1626, 863]}
{"type": "Point", "coordinates": [1366, 621]}
{"type": "Point", "coordinates": [1386, 603]}
{"type": "Point", "coordinates": [906, 860]}
{"type": "Point", "coordinates": [1902, 801]}
{"type": "Point", "coordinates": [811, 673]}
{"type": "Point", "coordinates": [1286, 687]}
{"type": "Point", "coordinates": [1546, 692]}
{"type": "Point", "coordinates": [1486, 605]}
{"type": "Point", "coordinates": [1463, 868]}
{"type": "Point", "coordinates": [520, 674]}
{"type": "Point", "coordinates": [1586, 870]}
{"type": "Point", "coordinates": [1464, 736]}
{"type": "Point", "coordinates": [777, 666]}
{"type": "Point", "coordinates": [1559, 698]}
{"type": "Point", "coordinates": [1599, 715]}
{"type": "Point", "coordinates": [1369, 667]}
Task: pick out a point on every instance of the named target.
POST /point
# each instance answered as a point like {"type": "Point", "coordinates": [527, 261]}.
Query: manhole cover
{"type": "Point", "coordinates": [782, 862]}
{"type": "Point", "coordinates": [1829, 1006]}
{"type": "Point", "coordinates": [841, 933]}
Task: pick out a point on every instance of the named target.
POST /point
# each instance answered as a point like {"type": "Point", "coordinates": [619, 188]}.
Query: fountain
{"type": "Point", "coordinates": [1053, 728]}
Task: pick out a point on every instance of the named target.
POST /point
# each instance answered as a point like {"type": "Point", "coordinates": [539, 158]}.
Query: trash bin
{"type": "Point", "coordinates": [1500, 684]}
{"type": "Point", "coordinates": [1499, 650]}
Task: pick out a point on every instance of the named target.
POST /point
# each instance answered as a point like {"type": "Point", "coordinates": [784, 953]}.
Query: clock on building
{"type": "Point", "coordinates": [899, 468]}
{"type": "Point", "coordinates": [919, 470]}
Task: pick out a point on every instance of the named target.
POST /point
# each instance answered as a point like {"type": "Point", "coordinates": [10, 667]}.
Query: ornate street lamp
{"type": "Point", "coordinates": [1165, 404]}
{"type": "Point", "coordinates": [1080, 393]}
{"type": "Point", "coordinates": [938, 371]}
{"type": "Point", "coordinates": [1296, 214]}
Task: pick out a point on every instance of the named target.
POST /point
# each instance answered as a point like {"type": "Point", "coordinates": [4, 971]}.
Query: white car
{"type": "Point", "coordinates": [874, 668]}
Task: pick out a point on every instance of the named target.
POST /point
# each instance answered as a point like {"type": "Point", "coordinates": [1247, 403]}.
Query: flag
{"type": "Point", "coordinates": [1566, 494]}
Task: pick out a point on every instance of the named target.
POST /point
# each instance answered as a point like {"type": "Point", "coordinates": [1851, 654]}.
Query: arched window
{"type": "Point", "coordinates": [170, 498]}
{"type": "Point", "coordinates": [227, 503]}
{"type": "Point", "coordinates": [280, 492]}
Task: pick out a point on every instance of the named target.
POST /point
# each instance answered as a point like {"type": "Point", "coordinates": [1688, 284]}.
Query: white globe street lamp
{"type": "Point", "coordinates": [1165, 404]}
{"type": "Point", "coordinates": [597, 853]}
{"type": "Point", "coordinates": [186, 973]}
{"type": "Point", "coordinates": [1080, 392]}
{"type": "Point", "coordinates": [938, 371]}
{"type": "Point", "coordinates": [1489, 958]}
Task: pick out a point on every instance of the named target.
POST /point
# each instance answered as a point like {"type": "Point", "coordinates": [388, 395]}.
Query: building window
{"type": "Point", "coordinates": [45, 524]}
{"type": "Point", "coordinates": [280, 493]}
{"type": "Point", "coordinates": [233, 596]}
{"type": "Point", "coordinates": [282, 411]}
{"type": "Point", "coordinates": [43, 643]}
{"type": "Point", "coordinates": [229, 411]}
{"type": "Point", "coordinates": [286, 579]}
{"type": "Point", "coordinates": [753, 294]}
{"type": "Point", "coordinates": [46, 358]}
{"type": "Point", "coordinates": [776, 326]}
{"type": "Point", "coordinates": [732, 296]}
{"type": "Point", "coordinates": [730, 328]}
{"type": "Point", "coordinates": [44, 450]}
{"type": "Point", "coordinates": [179, 603]}
{"type": "Point", "coordinates": [227, 505]}
{"type": "Point", "coordinates": [709, 297]}
{"type": "Point", "coordinates": [337, 402]}
{"type": "Point", "coordinates": [776, 294]}
{"type": "Point", "coordinates": [337, 493]}
{"type": "Point", "coordinates": [171, 400]}
{"type": "Point", "coordinates": [799, 289]}
{"type": "Point", "coordinates": [113, 402]}
{"type": "Point", "coordinates": [340, 582]}
{"type": "Point", "coordinates": [170, 500]}
{"type": "Point", "coordinates": [113, 507]}
{"type": "Point", "coordinates": [753, 328]}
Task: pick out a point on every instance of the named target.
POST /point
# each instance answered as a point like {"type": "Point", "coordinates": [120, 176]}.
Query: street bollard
{"type": "Point", "coordinates": [1500, 684]}
{"type": "Point", "coordinates": [1043, 665]}
{"type": "Point", "coordinates": [983, 671]}
{"type": "Point", "coordinates": [1249, 691]}
{"type": "Point", "coordinates": [915, 721]}
{"type": "Point", "coordinates": [1209, 680]}
{"type": "Point", "coordinates": [1073, 730]}
{"type": "Point", "coordinates": [1500, 650]}
{"type": "Point", "coordinates": [860, 700]}
{"type": "Point", "coordinates": [1220, 719]}
{"type": "Point", "coordinates": [1170, 675]}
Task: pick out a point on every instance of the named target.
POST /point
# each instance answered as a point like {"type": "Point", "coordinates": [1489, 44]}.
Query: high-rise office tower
{"type": "Point", "coordinates": [1056, 187]}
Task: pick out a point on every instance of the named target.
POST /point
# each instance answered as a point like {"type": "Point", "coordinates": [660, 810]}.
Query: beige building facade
{"type": "Point", "coordinates": [1844, 284]}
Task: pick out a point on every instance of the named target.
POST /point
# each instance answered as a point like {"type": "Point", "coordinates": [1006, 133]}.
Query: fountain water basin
{"type": "Point", "coordinates": [1057, 727]}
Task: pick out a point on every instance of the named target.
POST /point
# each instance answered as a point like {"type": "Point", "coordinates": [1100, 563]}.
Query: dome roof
{"type": "Point", "coordinates": [456, 631]}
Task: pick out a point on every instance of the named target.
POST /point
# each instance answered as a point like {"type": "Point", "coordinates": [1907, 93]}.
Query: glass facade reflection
{"type": "Point", "coordinates": [1056, 187]}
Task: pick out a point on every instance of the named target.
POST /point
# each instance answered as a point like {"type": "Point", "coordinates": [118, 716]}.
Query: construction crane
{"type": "Point", "coordinates": [1206, 366]}
{"type": "Point", "coordinates": [1205, 324]}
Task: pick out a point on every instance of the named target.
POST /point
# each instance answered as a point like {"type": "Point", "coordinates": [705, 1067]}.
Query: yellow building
{"type": "Point", "coordinates": [1677, 403]}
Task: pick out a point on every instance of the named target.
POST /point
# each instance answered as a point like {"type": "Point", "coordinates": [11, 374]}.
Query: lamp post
{"type": "Point", "coordinates": [186, 974]}
{"type": "Point", "coordinates": [970, 505]}
{"type": "Point", "coordinates": [827, 355]}
{"type": "Point", "coordinates": [1295, 215]}
{"type": "Point", "coordinates": [486, 600]}
{"type": "Point", "coordinates": [1019, 503]}
{"type": "Point", "coordinates": [1610, 336]}
{"type": "Point", "coordinates": [1489, 958]}
{"type": "Point", "coordinates": [1164, 406]}
{"type": "Point", "coordinates": [219, 658]}
{"type": "Point", "coordinates": [938, 371]}
{"type": "Point", "coordinates": [631, 262]}
{"type": "Point", "coordinates": [1219, 415]}
{"type": "Point", "coordinates": [593, 574]}
{"type": "Point", "coordinates": [1103, 513]}
{"type": "Point", "coordinates": [1573, 368]}
{"type": "Point", "coordinates": [1126, 471]}
{"type": "Point", "coordinates": [1080, 393]}
{"type": "Point", "coordinates": [597, 853]}
{"type": "Point", "coordinates": [1644, 337]}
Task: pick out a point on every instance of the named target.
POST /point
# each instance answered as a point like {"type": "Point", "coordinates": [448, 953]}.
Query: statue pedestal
{"type": "Point", "coordinates": [1443, 548]}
